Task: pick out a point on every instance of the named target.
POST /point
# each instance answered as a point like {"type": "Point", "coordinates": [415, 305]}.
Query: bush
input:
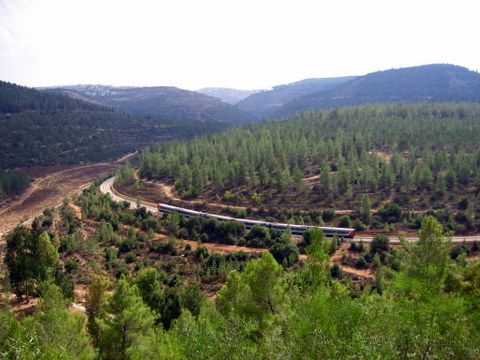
{"type": "Point", "coordinates": [457, 251]}
{"type": "Point", "coordinates": [345, 222]}
{"type": "Point", "coordinates": [71, 266]}
{"type": "Point", "coordinates": [335, 271]}
{"type": "Point", "coordinates": [165, 248]}
{"type": "Point", "coordinates": [379, 245]}
{"type": "Point", "coordinates": [390, 213]}
{"type": "Point", "coordinates": [463, 204]}
{"type": "Point", "coordinates": [67, 244]}
{"type": "Point", "coordinates": [360, 263]}
{"type": "Point", "coordinates": [328, 215]}
{"type": "Point", "coordinates": [286, 254]}
{"type": "Point", "coordinates": [130, 257]}
{"type": "Point", "coordinates": [201, 253]}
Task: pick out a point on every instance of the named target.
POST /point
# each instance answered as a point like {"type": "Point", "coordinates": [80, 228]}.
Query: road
{"type": "Point", "coordinates": [107, 188]}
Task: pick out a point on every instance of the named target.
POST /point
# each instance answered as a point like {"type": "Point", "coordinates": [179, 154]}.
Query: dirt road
{"type": "Point", "coordinates": [48, 191]}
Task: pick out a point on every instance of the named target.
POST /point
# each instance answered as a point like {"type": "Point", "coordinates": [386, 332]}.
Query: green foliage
{"type": "Point", "coordinates": [13, 183]}
{"type": "Point", "coordinates": [285, 253]}
{"type": "Point", "coordinates": [127, 320]}
{"type": "Point", "coordinates": [30, 257]}
{"type": "Point", "coordinates": [125, 175]}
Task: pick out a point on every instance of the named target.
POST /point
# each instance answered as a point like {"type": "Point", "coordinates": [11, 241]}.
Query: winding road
{"type": "Point", "coordinates": [107, 188]}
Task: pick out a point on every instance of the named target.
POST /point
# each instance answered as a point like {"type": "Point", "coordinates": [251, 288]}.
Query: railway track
{"type": "Point", "coordinates": [107, 188]}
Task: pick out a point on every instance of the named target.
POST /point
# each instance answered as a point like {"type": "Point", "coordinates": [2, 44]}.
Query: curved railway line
{"type": "Point", "coordinates": [107, 188]}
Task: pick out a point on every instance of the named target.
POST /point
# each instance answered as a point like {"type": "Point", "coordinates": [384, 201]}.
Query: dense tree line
{"type": "Point", "coordinates": [426, 83]}
{"type": "Point", "coordinates": [398, 151]}
{"type": "Point", "coordinates": [13, 183]}
{"type": "Point", "coordinates": [58, 137]}
{"type": "Point", "coordinates": [428, 307]}
{"type": "Point", "coordinates": [45, 128]}
{"type": "Point", "coordinates": [15, 99]}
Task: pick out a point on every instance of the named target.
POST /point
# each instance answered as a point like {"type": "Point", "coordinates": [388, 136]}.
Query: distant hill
{"type": "Point", "coordinates": [15, 99]}
{"type": "Point", "coordinates": [230, 96]}
{"type": "Point", "coordinates": [162, 101]}
{"type": "Point", "coordinates": [427, 83]}
{"type": "Point", "coordinates": [266, 103]}
{"type": "Point", "coordinates": [45, 128]}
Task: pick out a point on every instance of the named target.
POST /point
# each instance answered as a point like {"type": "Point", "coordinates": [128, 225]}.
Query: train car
{"type": "Point", "coordinates": [295, 229]}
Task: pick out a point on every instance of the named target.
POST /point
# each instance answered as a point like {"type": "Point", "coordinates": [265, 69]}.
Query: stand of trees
{"type": "Point", "coordinates": [429, 307]}
{"type": "Point", "coordinates": [427, 151]}
{"type": "Point", "coordinates": [13, 183]}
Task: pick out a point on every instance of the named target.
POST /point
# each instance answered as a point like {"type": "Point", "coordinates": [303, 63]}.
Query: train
{"type": "Point", "coordinates": [345, 233]}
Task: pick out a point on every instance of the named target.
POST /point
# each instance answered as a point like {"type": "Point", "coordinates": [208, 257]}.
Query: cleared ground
{"type": "Point", "coordinates": [50, 186]}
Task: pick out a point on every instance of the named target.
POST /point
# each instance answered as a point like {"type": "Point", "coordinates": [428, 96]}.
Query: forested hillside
{"type": "Point", "coordinates": [15, 99]}
{"type": "Point", "coordinates": [42, 128]}
{"type": "Point", "coordinates": [428, 83]}
{"type": "Point", "coordinates": [266, 103]}
{"type": "Point", "coordinates": [404, 157]}
{"type": "Point", "coordinates": [161, 101]}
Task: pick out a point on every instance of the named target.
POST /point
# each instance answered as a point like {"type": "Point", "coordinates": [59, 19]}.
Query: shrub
{"type": "Point", "coordinates": [286, 254]}
{"type": "Point", "coordinates": [201, 252]}
{"type": "Point", "coordinates": [360, 263]}
{"type": "Point", "coordinates": [345, 222]}
{"type": "Point", "coordinates": [71, 266]}
{"type": "Point", "coordinates": [335, 271]}
{"type": "Point", "coordinates": [328, 215]}
{"type": "Point", "coordinates": [390, 213]}
{"type": "Point", "coordinates": [457, 251]}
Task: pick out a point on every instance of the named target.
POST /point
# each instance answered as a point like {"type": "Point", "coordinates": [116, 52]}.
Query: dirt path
{"type": "Point", "coordinates": [336, 258]}
{"type": "Point", "coordinates": [48, 191]}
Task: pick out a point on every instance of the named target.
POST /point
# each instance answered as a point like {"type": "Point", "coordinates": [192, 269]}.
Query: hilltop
{"type": "Point", "coordinates": [230, 96]}
{"type": "Point", "coordinates": [427, 83]}
{"type": "Point", "coordinates": [266, 103]}
{"type": "Point", "coordinates": [165, 102]}
{"type": "Point", "coordinates": [46, 128]}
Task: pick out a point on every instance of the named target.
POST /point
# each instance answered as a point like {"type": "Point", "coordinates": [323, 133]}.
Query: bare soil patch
{"type": "Point", "coordinates": [48, 190]}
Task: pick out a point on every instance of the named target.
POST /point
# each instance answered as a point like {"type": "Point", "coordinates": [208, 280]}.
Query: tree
{"type": "Point", "coordinates": [192, 298]}
{"type": "Point", "coordinates": [127, 320]}
{"type": "Point", "coordinates": [30, 258]}
{"type": "Point", "coordinates": [366, 211]}
{"type": "Point", "coordinates": [96, 303]}
{"type": "Point", "coordinates": [52, 332]}
{"type": "Point", "coordinates": [427, 259]}
{"type": "Point", "coordinates": [256, 294]}
{"type": "Point", "coordinates": [379, 245]}
{"type": "Point", "coordinates": [285, 253]}
{"type": "Point", "coordinates": [151, 289]}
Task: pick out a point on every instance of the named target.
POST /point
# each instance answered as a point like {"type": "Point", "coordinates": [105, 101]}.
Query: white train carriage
{"type": "Point", "coordinates": [295, 229]}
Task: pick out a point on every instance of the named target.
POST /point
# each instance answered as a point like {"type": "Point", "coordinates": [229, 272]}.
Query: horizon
{"type": "Point", "coordinates": [245, 45]}
{"type": "Point", "coordinates": [233, 88]}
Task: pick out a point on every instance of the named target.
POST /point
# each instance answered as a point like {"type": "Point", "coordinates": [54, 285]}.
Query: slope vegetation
{"type": "Point", "coordinates": [161, 101]}
{"type": "Point", "coordinates": [266, 103]}
{"type": "Point", "coordinates": [42, 128]}
{"type": "Point", "coordinates": [427, 83]}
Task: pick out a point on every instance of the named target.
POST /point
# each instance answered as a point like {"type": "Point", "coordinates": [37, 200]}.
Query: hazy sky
{"type": "Point", "coordinates": [243, 44]}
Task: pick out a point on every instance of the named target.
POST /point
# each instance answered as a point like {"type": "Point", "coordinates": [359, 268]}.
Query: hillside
{"type": "Point", "coordinates": [42, 128]}
{"type": "Point", "coordinates": [162, 101]}
{"type": "Point", "coordinates": [230, 96]}
{"type": "Point", "coordinates": [15, 99]}
{"type": "Point", "coordinates": [415, 157]}
{"type": "Point", "coordinates": [266, 103]}
{"type": "Point", "coordinates": [427, 83]}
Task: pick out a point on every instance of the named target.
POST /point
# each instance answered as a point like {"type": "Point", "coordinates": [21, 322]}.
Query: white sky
{"type": "Point", "coordinates": [243, 44]}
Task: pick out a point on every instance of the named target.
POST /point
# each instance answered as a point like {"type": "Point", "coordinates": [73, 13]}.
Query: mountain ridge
{"type": "Point", "coordinates": [424, 83]}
